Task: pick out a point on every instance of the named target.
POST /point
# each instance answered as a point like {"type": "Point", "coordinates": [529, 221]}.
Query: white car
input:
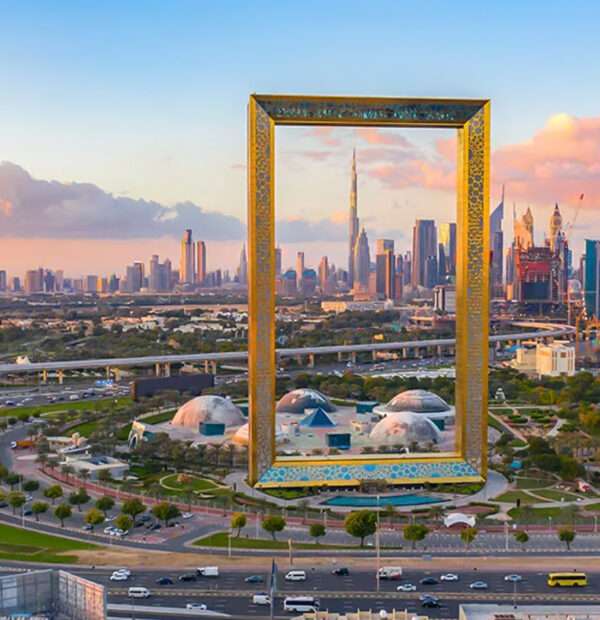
{"type": "Point", "coordinates": [116, 576]}
{"type": "Point", "coordinates": [125, 571]}
{"type": "Point", "coordinates": [109, 530]}
{"type": "Point", "coordinates": [513, 578]}
{"type": "Point", "coordinates": [449, 577]}
{"type": "Point", "coordinates": [197, 606]}
{"type": "Point", "coordinates": [407, 587]}
{"type": "Point", "coordinates": [187, 515]}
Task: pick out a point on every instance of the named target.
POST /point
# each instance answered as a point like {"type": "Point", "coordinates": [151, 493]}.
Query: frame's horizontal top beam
{"type": "Point", "coordinates": [373, 111]}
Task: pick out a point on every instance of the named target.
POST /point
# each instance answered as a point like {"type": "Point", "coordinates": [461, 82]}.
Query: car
{"type": "Point", "coordinates": [430, 602]}
{"type": "Point", "coordinates": [27, 512]}
{"type": "Point", "coordinates": [187, 515]}
{"type": "Point", "coordinates": [13, 445]}
{"type": "Point", "coordinates": [28, 498]}
{"type": "Point", "coordinates": [261, 598]}
{"type": "Point", "coordinates": [295, 575]}
{"type": "Point", "coordinates": [429, 581]}
{"type": "Point", "coordinates": [187, 577]}
{"type": "Point", "coordinates": [341, 571]}
{"type": "Point", "coordinates": [406, 587]}
{"type": "Point", "coordinates": [116, 576]}
{"type": "Point", "coordinates": [449, 577]}
{"type": "Point", "coordinates": [164, 581]}
{"type": "Point", "coordinates": [154, 527]}
{"type": "Point", "coordinates": [254, 579]}
{"type": "Point", "coordinates": [109, 530]}
{"type": "Point", "coordinates": [197, 606]}
{"type": "Point", "coordinates": [514, 578]}
{"type": "Point", "coordinates": [87, 527]}
{"type": "Point", "coordinates": [479, 585]}
{"type": "Point", "coordinates": [124, 571]}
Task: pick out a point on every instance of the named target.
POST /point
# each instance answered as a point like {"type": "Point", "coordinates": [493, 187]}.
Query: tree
{"type": "Point", "coordinates": [316, 530]}
{"type": "Point", "coordinates": [105, 503]}
{"type": "Point", "coordinates": [39, 508]}
{"type": "Point", "coordinates": [164, 511]}
{"type": "Point", "coordinates": [15, 499]}
{"type": "Point", "coordinates": [273, 524]}
{"type": "Point", "coordinates": [468, 535]}
{"type": "Point", "coordinates": [31, 485]}
{"type": "Point", "coordinates": [94, 517]}
{"type": "Point", "coordinates": [238, 521]}
{"type": "Point", "coordinates": [3, 472]}
{"type": "Point", "coordinates": [360, 524]}
{"type": "Point", "coordinates": [53, 492]}
{"type": "Point", "coordinates": [62, 512]}
{"type": "Point", "coordinates": [104, 475]}
{"type": "Point", "coordinates": [11, 479]}
{"type": "Point", "coordinates": [415, 533]}
{"type": "Point", "coordinates": [133, 507]}
{"type": "Point", "coordinates": [566, 535]}
{"type": "Point", "coordinates": [77, 498]}
{"type": "Point", "coordinates": [124, 522]}
{"type": "Point", "coordinates": [521, 536]}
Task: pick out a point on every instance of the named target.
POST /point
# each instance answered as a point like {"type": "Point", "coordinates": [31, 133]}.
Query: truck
{"type": "Point", "coordinates": [390, 572]}
{"type": "Point", "coordinates": [208, 571]}
{"type": "Point", "coordinates": [23, 444]}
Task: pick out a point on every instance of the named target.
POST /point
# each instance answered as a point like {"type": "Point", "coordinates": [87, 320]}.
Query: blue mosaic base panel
{"type": "Point", "coordinates": [367, 471]}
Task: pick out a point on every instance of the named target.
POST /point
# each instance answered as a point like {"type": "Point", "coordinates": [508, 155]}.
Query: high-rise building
{"type": "Point", "coordinates": [34, 281]}
{"type": "Point", "coordinates": [407, 268]}
{"type": "Point", "coordinates": [385, 269]}
{"type": "Point", "coordinates": [3, 281]}
{"type": "Point", "coordinates": [353, 223]}
{"type": "Point", "coordinates": [362, 262]}
{"type": "Point", "coordinates": [382, 245]}
{"type": "Point", "coordinates": [308, 282]}
{"type": "Point", "coordinates": [277, 261]}
{"type": "Point", "coordinates": [186, 260]}
{"type": "Point", "coordinates": [424, 252]}
{"type": "Point", "coordinates": [154, 279]}
{"type": "Point", "coordinates": [16, 284]}
{"type": "Point", "coordinates": [299, 269]}
{"type": "Point", "coordinates": [591, 280]}
{"type": "Point", "coordinates": [200, 262]}
{"type": "Point", "coordinates": [447, 238]}
{"type": "Point", "coordinates": [324, 275]}
{"type": "Point", "coordinates": [523, 230]}
{"type": "Point", "coordinates": [91, 284]}
{"type": "Point", "coordinates": [242, 271]}
{"type": "Point", "coordinates": [497, 245]}
{"type": "Point", "coordinates": [288, 284]}
{"type": "Point", "coordinates": [59, 280]}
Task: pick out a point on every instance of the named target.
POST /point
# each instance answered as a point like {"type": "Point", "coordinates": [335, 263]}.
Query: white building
{"type": "Point", "coordinates": [356, 306]}
{"type": "Point", "coordinates": [444, 298]}
{"type": "Point", "coordinates": [491, 611]}
{"type": "Point", "coordinates": [95, 464]}
{"type": "Point", "coordinates": [556, 359]}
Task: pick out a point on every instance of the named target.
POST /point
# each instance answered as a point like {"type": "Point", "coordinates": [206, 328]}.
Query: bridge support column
{"type": "Point", "coordinates": [117, 373]}
{"type": "Point", "coordinates": [213, 367]}
{"type": "Point", "coordinates": [108, 372]}
{"type": "Point", "coordinates": [353, 357]}
{"type": "Point", "coordinates": [339, 357]}
{"type": "Point", "coordinates": [440, 350]}
{"type": "Point", "coordinates": [157, 369]}
{"type": "Point", "coordinates": [167, 369]}
{"type": "Point", "coordinates": [374, 355]}
{"type": "Point", "coordinates": [311, 360]}
{"type": "Point", "coordinates": [44, 376]}
{"type": "Point", "coordinates": [299, 360]}
{"type": "Point", "coordinates": [61, 376]}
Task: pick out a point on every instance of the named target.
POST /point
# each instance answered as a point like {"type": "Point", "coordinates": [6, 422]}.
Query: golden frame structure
{"type": "Point", "coordinates": [471, 119]}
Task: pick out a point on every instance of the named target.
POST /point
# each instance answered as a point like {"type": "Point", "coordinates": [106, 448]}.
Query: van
{"type": "Point", "coordinates": [261, 598]}
{"type": "Point", "coordinates": [208, 571]}
{"type": "Point", "coordinates": [390, 572]}
{"type": "Point", "coordinates": [296, 575]}
{"type": "Point", "coordinates": [301, 604]}
{"type": "Point", "coordinates": [137, 592]}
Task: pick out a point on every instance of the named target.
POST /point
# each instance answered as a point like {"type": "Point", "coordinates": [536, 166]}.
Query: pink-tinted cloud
{"type": "Point", "coordinates": [324, 134]}
{"type": "Point", "coordinates": [374, 135]}
{"type": "Point", "coordinates": [6, 207]}
{"type": "Point", "coordinates": [559, 163]}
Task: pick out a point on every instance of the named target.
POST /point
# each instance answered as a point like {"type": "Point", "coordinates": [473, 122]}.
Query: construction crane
{"type": "Point", "coordinates": [570, 225]}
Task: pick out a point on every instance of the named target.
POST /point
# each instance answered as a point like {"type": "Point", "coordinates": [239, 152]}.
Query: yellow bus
{"type": "Point", "coordinates": [567, 579]}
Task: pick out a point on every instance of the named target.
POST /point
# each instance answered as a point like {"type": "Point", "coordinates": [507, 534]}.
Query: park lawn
{"type": "Point", "coordinates": [220, 540]}
{"type": "Point", "coordinates": [286, 493]}
{"type": "Point", "coordinates": [556, 495]}
{"type": "Point", "coordinates": [79, 405]}
{"type": "Point", "coordinates": [512, 496]}
{"type": "Point", "coordinates": [539, 515]}
{"type": "Point", "coordinates": [194, 484]}
{"type": "Point", "coordinates": [163, 416]}
{"type": "Point", "coordinates": [85, 429]}
{"type": "Point", "coordinates": [592, 507]}
{"type": "Point", "coordinates": [29, 546]}
{"type": "Point", "coordinates": [534, 483]}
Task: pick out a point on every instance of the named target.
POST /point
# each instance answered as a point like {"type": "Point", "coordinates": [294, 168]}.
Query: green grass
{"type": "Point", "coordinates": [540, 515]}
{"type": "Point", "coordinates": [512, 496]}
{"type": "Point", "coordinates": [30, 546]}
{"type": "Point", "coordinates": [195, 484]}
{"type": "Point", "coordinates": [592, 507]}
{"type": "Point", "coordinates": [85, 429]}
{"type": "Point", "coordinates": [533, 483]}
{"type": "Point", "coordinates": [220, 540]}
{"type": "Point", "coordinates": [286, 493]}
{"type": "Point", "coordinates": [157, 418]}
{"type": "Point", "coordinates": [79, 405]}
{"type": "Point", "coordinates": [556, 495]}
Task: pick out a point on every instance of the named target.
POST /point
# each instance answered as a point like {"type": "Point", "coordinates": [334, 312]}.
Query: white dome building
{"type": "Point", "coordinates": [404, 427]}
{"type": "Point", "coordinates": [297, 401]}
{"type": "Point", "coordinates": [241, 436]}
{"type": "Point", "coordinates": [421, 402]}
{"type": "Point", "coordinates": [208, 409]}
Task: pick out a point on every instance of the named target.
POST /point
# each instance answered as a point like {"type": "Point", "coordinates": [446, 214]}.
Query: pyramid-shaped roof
{"type": "Point", "coordinates": [317, 417]}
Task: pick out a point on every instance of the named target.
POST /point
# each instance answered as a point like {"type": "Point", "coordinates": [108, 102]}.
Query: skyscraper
{"type": "Point", "coordinates": [447, 238]}
{"type": "Point", "coordinates": [154, 276]}
{"type": "Point", "coordinates": [299, 269]}
{"type": "Point", "coordinates": [277, 261]}
{"type": "Point", "coordinates": [324, 275]}
{"type": "Point", "coordinates": [362, 262]}
{"type": "Point", "coordinates": [424, 251]}
{"type": "Point", "coordinates": [3, 281]}
{"type": "Point", "coordinates": [591, 283]}
{"type": "Point", "coordinates": [384, 268]}
{"type": "Point", "coordinates": [353, 222]}
{"type": "Point", "coordinates": [242, 271]}
{"type": "Point", "coordinates": [186, 261]}
{"type": "Point", "coordinates": [200, 262]}
{"type": "Point", "coordinates": [497, 244]}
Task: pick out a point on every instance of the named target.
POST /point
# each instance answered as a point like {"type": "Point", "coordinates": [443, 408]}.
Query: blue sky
{"type": "Point", "coordinates": [147, 99]}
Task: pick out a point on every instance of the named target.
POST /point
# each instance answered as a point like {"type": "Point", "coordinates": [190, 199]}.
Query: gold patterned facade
{"type": "Point", "coordinates": [471, 119]}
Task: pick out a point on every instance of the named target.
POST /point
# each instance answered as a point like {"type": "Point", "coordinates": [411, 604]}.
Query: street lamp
{"type": "Point", "coordinates": [229, 543]}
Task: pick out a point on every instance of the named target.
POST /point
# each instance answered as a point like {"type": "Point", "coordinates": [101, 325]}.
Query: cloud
{"type": "Point", "coordinates": [373, 135]}
{"type": "Point", "coordinates": [324, 134]}
{"type": "Point", "coordinates": [560, 162]}
{"type": "Point", "coordinates": [292, 230]}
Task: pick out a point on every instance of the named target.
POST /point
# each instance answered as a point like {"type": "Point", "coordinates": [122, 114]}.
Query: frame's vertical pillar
{"type": "Point", "coordinates": [472, 289]}
{"type": "Point", "coordinates": [261, 291]}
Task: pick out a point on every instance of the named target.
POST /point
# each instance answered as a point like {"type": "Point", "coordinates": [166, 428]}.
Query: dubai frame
{"type": "Point", "coordinates": [468, 461]}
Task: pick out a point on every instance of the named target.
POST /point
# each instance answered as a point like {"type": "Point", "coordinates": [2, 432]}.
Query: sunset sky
{"type": "Point", "coordinates": [122, 123]}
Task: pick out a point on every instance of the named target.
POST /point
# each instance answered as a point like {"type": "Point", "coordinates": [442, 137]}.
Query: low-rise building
{"type": "Point", "coordinates": [556, 359]}
{"type": "Point", "coordinates": [490, 611]}
{"type": "Point", "coordinates": [95, 464]}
